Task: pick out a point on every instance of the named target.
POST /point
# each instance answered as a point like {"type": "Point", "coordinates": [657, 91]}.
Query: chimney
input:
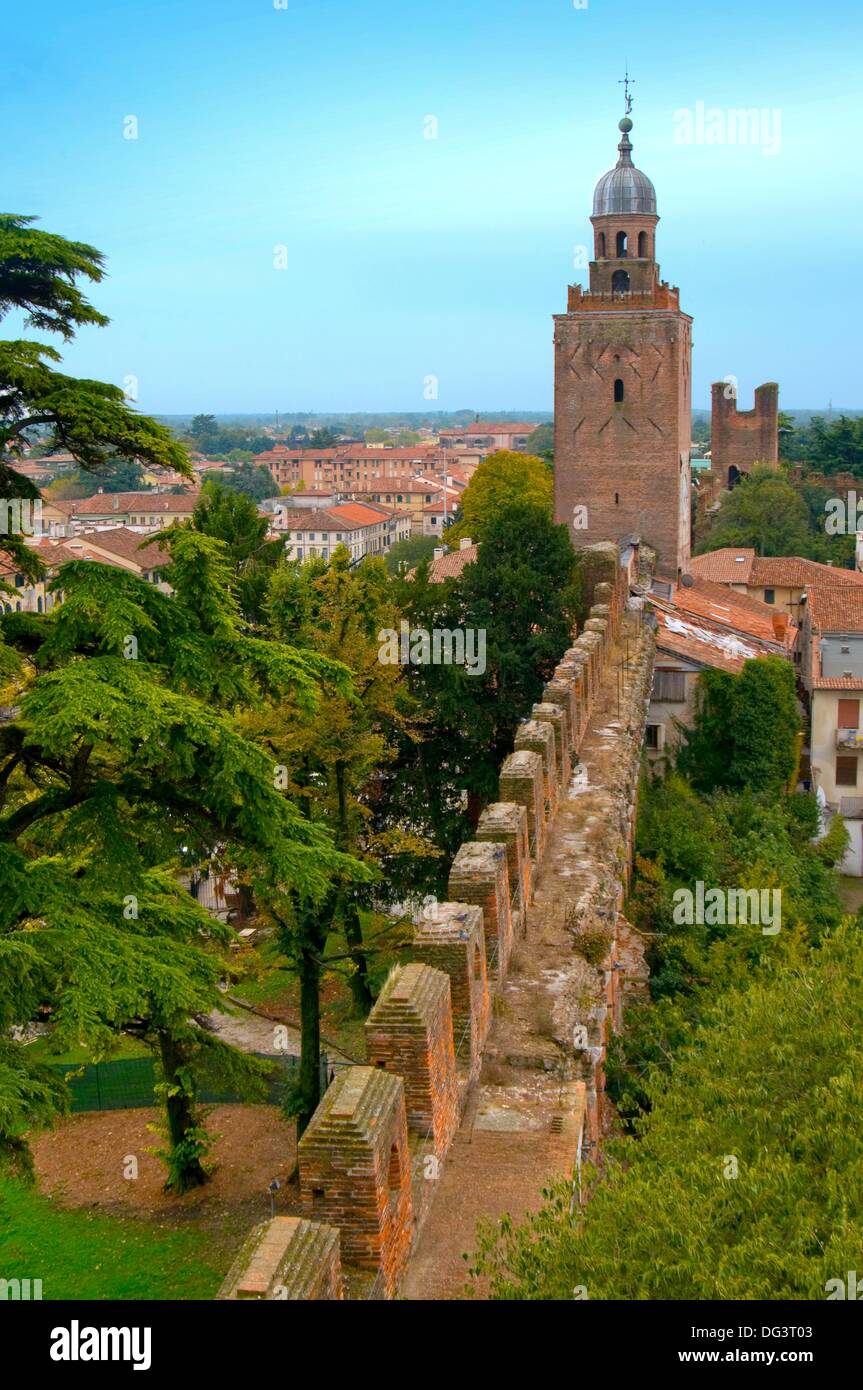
{"type": "Point", "coordinates": [465, 543]}
{"type": "Point", "coordinates": [780, 626]}
{"type": "Point", "coordinates": [438, 552]}
{"type": "Point", "coordinates": [115, 503]}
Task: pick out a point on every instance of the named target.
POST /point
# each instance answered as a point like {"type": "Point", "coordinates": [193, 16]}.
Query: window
{"type": "Point", "coordinates": [602, 245]}
{"type": "Point", "coordinates": [653, 737]}
{"type": "Point", "coordinates": [769, 595]}
{"type": "Point", "coordinates": [621, 244]}
{"type": "Point", "coordinates": [642, 244]}
{"type": "Point", "coordinates": [618, 389]}
{"type": "Point", "coordinates": [846, 772]}
{"type": "Point", "coordinates": [849, 714]}
{"type": "Point", "coordinates": [670, 685]}
{"type": "Point", "coordinates": [620, 282]}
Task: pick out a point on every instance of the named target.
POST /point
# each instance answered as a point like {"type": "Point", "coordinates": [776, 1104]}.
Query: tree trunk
{"type": "Point", "coordinates": [184, 1163]}
{"type": "Point", "coordinates": [309, 970]}
{"type": "Point", "coordinates": [359, 981]}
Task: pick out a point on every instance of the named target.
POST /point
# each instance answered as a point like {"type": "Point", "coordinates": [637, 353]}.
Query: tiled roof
{"type": "Point", "coordinates": [703, 644]}
{"type": "Point", "coordinates": [835, 609]}
{"type": "Point", "coordinates": [731, 565]}
{"type": "Point", "coordinates": [66, 505]}
{"type": "Point", "coordinates": [363, 513]}
{"type": "Point", "coordinates": [450, 566]}
{"type": "Point", "coordinates": [348, 516]}
{"type": "Point", "coordinates": [128, 545]}
{"type": "Point", "coordinates": [740, 565]}
{"type": "Point", "coordinates": [103, 503]}
{"type": "Point", "coordinates": [838, 683]}
{"type": "Point", "coordinates": [104, 547]}
{"type": "Point", "coordinates": [719, 604]}
{"type": "Point", "coordinates": [793, 572]}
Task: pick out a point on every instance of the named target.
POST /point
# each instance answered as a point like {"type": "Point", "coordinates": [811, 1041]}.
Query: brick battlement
{"type": "Point", "coordinates": [663, 296]}
{"type": "Point", "coordinates": [383, 1133]}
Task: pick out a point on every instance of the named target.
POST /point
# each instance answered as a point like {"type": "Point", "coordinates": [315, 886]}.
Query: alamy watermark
{"type": "Point", "coordinates": [17, 1289]}
{"type": "Point", "coordinates": [844, 515]}
{"type": "Point", "coordinates": [758, 127]}
{"type": "Point", "coordinates": [720, 907]}
{"type": "Point", "coordinates": [440, 646]}
{"type": "Point", "coordinates": [847, 1288]}
{"type": "Point", "coordinates": [20, 516]}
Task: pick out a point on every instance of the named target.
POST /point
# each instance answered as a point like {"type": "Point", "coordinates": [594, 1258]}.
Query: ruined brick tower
{"type": "Point", "coordinates": [622, 382]}
{"type": "Point", "coordinates": [741, 438]}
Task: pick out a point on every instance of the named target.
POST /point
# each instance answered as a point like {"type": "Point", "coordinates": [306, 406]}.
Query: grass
{"type": "Point", "coordinates": [851, 892]}
{"type": "Point", "coordinates": [79, 1255]}
{"type": "Point", "coordinates": [41, 1050]}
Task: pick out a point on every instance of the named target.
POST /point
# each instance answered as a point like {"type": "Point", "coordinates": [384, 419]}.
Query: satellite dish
{"type": "Point", "coordinates": [687, 581]}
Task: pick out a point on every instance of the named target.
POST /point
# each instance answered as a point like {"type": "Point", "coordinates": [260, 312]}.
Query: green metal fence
{"type": "Point", "coordinates": [129, 1083]}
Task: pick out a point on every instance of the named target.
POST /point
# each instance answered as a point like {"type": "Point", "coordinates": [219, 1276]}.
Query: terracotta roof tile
{"type": "Point", "coordinates": [835, 609]}
{"type": "Point", "coordinates": [724, 606]}
{"type": "Point", "coordinates": [450, 566]}
{"type": "Point", "coordinates": [703, 644]}
{"type": "Point", "coordinates": [730, 565]}
{"type": "Point", "coordinates": [104, 502]}
{"type": "Point", "coordinates": [793, 572]}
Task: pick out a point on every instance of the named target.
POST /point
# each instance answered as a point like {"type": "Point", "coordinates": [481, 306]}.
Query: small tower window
{"type": "Point", "coordinates": [602, 245]}
{"type": "Point", "coordinates": [620, 282]}
{"type": "Point", "coordinates": [621, 244]}
{"type": "Point", "coordinates": [618, 396]}
{"type": "Point", "coordinates": [642, 244]}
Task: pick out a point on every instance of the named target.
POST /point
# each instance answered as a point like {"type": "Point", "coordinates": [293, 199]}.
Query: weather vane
{"type": "Point", "coordinates": [626, 82]}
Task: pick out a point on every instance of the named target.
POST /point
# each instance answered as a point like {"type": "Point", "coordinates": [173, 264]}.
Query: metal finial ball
{"type": "Point", "coordinates": [625, 125]}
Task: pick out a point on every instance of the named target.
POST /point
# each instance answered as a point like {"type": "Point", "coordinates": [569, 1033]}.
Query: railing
{"type": "Point", "coordinates": [129, 1083]}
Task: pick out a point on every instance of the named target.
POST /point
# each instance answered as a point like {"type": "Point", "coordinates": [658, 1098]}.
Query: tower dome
{"type": "Point", "coordinates": [624, 188]}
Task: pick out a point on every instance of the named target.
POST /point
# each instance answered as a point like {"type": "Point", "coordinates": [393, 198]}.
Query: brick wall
{"type": "Point", "coordinates": [354, 1166]}
{"type": "Point", "coordinates": [452, 939]}
{"type": "Point", "coordinates": [289, 1259]}
{"type": "Point", "coordinates": [426, 1032]}
{"type": "Point", "coordinates": [409, 1033]}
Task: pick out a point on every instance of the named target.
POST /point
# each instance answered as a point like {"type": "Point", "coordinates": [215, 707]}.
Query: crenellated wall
{"type": "Point", "coordinates": [554, 852]}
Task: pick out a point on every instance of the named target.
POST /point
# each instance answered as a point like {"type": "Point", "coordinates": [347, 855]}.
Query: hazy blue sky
{"type": "Point", "coordinates": [411, 257]}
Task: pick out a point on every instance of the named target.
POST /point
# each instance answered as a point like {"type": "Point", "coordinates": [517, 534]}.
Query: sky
{"type": "Point", "coordinates": [348, 205]}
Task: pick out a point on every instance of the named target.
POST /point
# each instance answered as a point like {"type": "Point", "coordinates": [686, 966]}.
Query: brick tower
{"type": "Point", "coordinates": [622, 382]}
{"type": "Point", "coordinates": [741, 438]}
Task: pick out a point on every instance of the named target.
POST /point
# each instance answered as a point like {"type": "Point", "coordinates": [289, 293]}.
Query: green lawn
{"type": "Point", "coordinates": [78, 1255]}
{"type": "Point", "coordinates": [851, 892]}
{"type": "Point", "coordinates": [42, 1050]}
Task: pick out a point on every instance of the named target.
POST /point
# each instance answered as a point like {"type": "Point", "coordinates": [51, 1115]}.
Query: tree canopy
{"type": "Point", "coordinates": [503, 478]}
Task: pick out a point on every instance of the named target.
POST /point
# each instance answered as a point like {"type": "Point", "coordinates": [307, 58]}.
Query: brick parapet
{"type": "Point", "coordinates": [409, 1033]}
{"type": "Point", "coordinates": [505, 822]}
